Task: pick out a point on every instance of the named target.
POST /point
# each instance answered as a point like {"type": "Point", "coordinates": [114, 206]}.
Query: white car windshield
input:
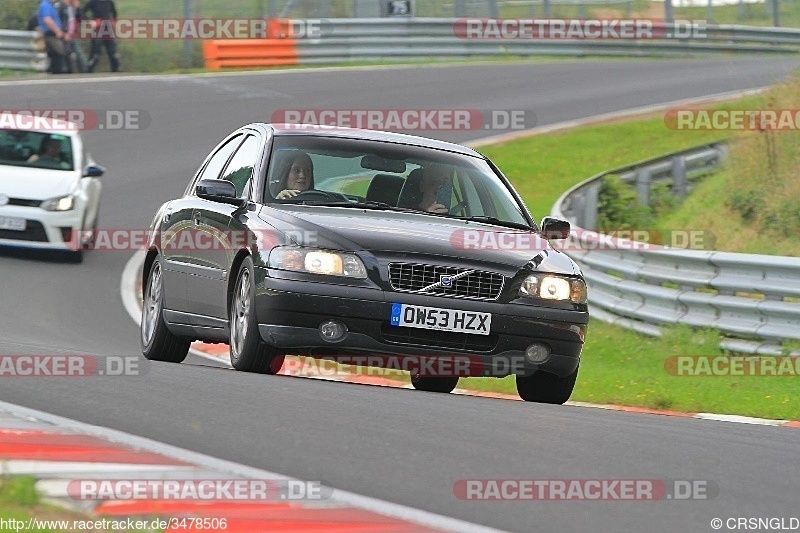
{"type": "Point", "coordinates": [334, 171]}
{"type": "Point", "coordinates": [33, 149]}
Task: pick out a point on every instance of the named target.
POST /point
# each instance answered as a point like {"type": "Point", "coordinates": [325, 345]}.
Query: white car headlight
{"type": "Point", "coordinates": [554, 288]}
{"type": "Point", "coordinates": [324, 262]}
{"type": "Point", "coordinates": [62, 203]}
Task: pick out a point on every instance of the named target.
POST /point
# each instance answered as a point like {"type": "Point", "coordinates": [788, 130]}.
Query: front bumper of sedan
{"type": "Point", "coordinates": [290, 314]}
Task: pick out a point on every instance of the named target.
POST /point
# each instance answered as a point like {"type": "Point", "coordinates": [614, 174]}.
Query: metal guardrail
{"type": "Point", "coordinates": [386, 39]}
{"type": "Point", "coordinates": [754, 300]}
{"type": "Point", "coordinates": [22, 50]}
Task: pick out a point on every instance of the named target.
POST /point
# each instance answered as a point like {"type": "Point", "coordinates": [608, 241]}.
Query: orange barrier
{"type": "Point", "coordinates": [276, 50]}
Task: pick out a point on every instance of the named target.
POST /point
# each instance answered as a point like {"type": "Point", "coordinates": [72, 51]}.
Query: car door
{"type": "Point", "coordinates": [196, 269]}
{"type": "Point", "coordinates": [213, 254]}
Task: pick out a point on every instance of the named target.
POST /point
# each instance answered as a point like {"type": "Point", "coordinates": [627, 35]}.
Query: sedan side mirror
{"type": "Point", "coordinates": [555, 228]}
{"type": "Point", "coordinates": [222, 191]}
{"type": "Point", "coordinates": [93, 171]}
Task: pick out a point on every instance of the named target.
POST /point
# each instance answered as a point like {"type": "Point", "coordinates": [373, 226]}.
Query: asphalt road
{"type": "Point", "coordinates": [398, 445]}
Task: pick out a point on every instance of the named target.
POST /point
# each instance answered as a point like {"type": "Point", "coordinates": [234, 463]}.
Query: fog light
{"type": "Point", "coordinates": [537, 353]}
{"type": "Point", "coordinates": [332, 331]}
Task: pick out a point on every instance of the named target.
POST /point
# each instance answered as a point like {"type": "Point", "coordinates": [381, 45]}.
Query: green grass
{"type": "Point", "coordinates": [543, 167]}
{"type": "Point", "coordinates": [20, 501]}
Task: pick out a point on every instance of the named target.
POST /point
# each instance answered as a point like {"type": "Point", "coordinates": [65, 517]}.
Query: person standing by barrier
{"type": "Point", "coordinates": [55, 37]}
{"type": "Point", "coordinates": [70, 12]}
{"type": "Point", "coordinates": [104, 12]}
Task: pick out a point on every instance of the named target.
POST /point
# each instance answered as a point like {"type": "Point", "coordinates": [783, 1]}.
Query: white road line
{"type": "Point", "coordinates": [394, 510]}
{"type": "Point", "coordinates": [245, 73]}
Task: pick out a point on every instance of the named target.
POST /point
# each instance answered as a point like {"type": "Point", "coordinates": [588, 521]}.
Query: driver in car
{"type": "Point", "coordinates": [295, 174]}
{"type": "Point", "coordinates": [50, 153]}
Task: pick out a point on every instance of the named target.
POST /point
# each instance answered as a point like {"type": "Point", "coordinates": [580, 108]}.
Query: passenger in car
{"type": "Point", "coordinates": [422, 188]}
{"type": "Point", "coordinates": [295, 174]}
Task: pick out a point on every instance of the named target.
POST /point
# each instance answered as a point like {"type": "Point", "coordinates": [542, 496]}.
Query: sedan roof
{"type": "Point", "coordinates": [37, 124]}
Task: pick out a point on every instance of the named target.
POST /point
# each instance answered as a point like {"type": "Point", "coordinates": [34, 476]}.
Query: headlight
{"type": "Point", "coordinates": [554, 288]}
{"type": "Point", "coordinates": [322, 262]}
{"type": "Point", "coordinates": [62, 203]}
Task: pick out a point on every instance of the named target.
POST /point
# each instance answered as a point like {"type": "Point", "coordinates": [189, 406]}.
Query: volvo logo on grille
{"type": "Point", "coordinates": [4, 199]}
{"type": "Point", "coordinates": [446, 281]}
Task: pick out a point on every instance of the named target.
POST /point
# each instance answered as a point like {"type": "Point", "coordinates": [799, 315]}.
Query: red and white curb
{"type": "Point", "coordinates": [58, 451]}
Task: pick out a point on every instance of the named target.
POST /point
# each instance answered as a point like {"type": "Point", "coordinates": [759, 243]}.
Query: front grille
{"type": "Point", "coordinates": [34, 231]}
{"type": "Point", "coordinates": [466, 283]}
{"type": "Point", "coordinates": [439, 339]}
{"type": "Point", "coordinates": [24, 202]}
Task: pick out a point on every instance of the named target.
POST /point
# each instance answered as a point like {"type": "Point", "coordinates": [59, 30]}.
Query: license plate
{"type": "Point", "coordinates": [417, 316]}
{"type": "Point", "coordinates": [15, 224]}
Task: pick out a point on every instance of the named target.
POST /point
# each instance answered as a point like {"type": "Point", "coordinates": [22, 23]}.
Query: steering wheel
{"type": "Point", "coordinates": [312, 194]}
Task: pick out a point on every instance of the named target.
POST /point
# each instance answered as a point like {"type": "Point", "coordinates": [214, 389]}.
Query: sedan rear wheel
{"type": "Point", "coordinates": [444, 385]}
{"type": "Point", "coordinates": [544, 387]}
{"type": "Point", "coordinates": [248, 352]}
{"type": "Point", "coordinates": [158, 342]}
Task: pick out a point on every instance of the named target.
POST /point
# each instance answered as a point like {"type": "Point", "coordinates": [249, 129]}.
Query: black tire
{"type": "Point", "coordinates": [543, 387]}
{"type": "Point", "coordinates": [248, 352]}
{"type": "Point", "coordinates": [444, 385]}
{"type": "Point", "coordinates": [158, 342]}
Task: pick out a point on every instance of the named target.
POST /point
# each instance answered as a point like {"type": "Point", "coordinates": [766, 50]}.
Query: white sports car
{"type": "Point", "coordinates": [49, 187]}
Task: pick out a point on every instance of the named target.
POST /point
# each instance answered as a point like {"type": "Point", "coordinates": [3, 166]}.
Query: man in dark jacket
{"type": "Point", "coordinates": [104, 12]}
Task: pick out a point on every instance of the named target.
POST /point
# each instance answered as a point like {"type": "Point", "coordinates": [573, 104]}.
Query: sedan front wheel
{"type": "Point", "coordinates": [248, 352]}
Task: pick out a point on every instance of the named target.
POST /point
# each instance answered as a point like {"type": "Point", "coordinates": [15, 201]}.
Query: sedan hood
{"type": "Point", "coordinates": [36, 183]}
{"type": "Point", "coordinates": [390, 231]}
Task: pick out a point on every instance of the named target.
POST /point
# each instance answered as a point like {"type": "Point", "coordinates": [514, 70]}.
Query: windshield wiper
{"type": "Point", "coordinates": [497, 222]}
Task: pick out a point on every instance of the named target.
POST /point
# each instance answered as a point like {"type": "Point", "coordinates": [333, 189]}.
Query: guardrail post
{"type": "Point", "coordinates": [643, 186]}
{"type": "Point", "coordinates": [578, 207]}
{"type": "Point", "coordinates": [710, 10]}
{"type": "Point", "coordinates": [546, 9]}
{"type": "Point", "coordinates": [187, 44]}
{"type": "Point", "coordinates": [590, 207]}
{"type": "Point", "coordinates": [669, 15]}
{"type": "Point", "coordinates": [459, 8]}
{"type": "Point", "coordinates": [740, 11]}
{"type": "Point", "coordinates": [679, 176]}
{"type": "Point", "coordinates": [581, 11]}
{"type": "Point", "coordinates": [324, 8]}
{"type": "Point", "coordinates": [494, 9]}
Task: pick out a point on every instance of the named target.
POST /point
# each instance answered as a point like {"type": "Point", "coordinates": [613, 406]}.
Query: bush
{"type": "Point", "coordinates": [15, 13]}
{"type": "Point", "coordinates": [618, 207]}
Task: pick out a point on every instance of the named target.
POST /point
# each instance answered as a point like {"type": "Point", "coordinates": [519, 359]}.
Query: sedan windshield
{"type": "Point", "coordinates": [19, 148]}
{"type": "Point", "coordinates": [381, 175]}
